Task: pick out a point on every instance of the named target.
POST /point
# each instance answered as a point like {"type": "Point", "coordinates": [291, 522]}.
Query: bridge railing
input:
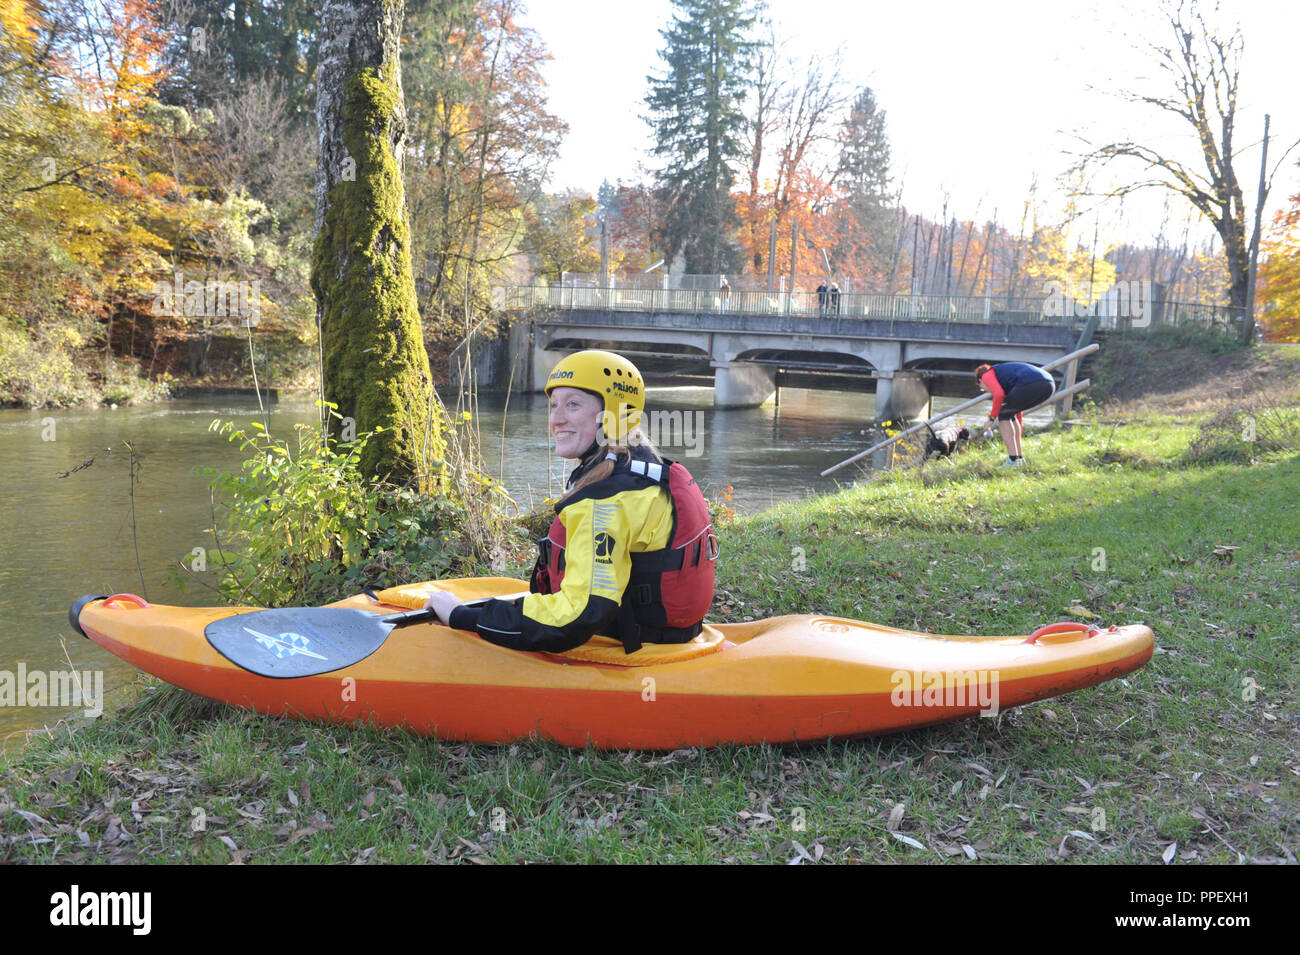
{"type": "Point", "coordinates": [984, 309]}
{"type": "Point", "coordinates": [929, 308]}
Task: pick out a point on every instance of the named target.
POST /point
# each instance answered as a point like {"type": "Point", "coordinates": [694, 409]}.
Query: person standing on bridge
{"type": "Point", "coordinates": [724, 294]}
{"type": "Point", "coordinates": [631, 552]}
{"type": "Point", "coordinates": [1015, 387]}
{"type": "Point", "coordinates": [834, 295]}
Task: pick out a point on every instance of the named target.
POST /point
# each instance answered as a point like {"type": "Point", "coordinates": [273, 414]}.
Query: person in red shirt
{"type": "Point", "coordinates": [1015, 387]}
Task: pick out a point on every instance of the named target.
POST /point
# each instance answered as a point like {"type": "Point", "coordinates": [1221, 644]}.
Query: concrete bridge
{"type": "Point", "coordinates": [904, 348]}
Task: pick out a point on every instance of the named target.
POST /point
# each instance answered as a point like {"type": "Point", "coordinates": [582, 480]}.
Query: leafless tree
{"type": "Point", "coordinates": [788, 119]}
{"type": "Point", "coordinates": [1204, 68]}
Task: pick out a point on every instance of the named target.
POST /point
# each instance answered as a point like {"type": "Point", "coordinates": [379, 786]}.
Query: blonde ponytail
{"type": "Point", "coordinates": [635, 438]}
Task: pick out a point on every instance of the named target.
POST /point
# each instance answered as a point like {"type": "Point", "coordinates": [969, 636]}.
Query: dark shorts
{"type": "Point", "coordinates": [1025, 396]}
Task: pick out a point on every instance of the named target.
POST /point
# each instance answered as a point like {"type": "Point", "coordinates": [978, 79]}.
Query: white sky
{"type": "Point", "coordinates": [980, 96]}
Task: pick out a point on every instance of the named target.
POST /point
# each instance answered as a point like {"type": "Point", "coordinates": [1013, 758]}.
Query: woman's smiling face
{"type": "Point", "coordinates": [574, 420]}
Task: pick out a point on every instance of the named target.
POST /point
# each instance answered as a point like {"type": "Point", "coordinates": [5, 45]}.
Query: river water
{"type": "Point", "coordinates": [64, 536]}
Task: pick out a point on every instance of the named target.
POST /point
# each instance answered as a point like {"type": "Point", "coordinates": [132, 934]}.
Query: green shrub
{"type": "Point", "coordinates": [1214, 339]}
{"type": "Point", "coordinates": [1242, 436]}
{"type": "Point", "coordinates": [123, 384]}
{"type": "Point", "coordinates": [56, 369]}
{"type": "Point", "coordinates": [303, 526]}
{"type": "Point", "coordinates": [40, 373]}
{"type": "Point", "coordinates": [1139, 458]}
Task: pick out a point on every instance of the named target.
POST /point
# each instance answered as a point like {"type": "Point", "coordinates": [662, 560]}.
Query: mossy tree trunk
{"type": "Point", "coordinates": [376, 368]}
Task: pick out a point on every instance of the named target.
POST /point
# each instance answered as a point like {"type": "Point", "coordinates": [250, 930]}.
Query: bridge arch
{"type": "Point", "coordinates": [660, 362]}
{"type": "Point", "coordinates": [906, 357]}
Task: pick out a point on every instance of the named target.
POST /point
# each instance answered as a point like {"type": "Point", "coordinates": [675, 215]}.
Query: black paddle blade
{"type": "Point", "coordinates": [298, 641]}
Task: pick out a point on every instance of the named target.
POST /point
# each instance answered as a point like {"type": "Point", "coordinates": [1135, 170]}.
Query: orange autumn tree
{"type": "Point", "coordinates": [806, 200]}
{"type": "Point", "coordinates": [73, 125]}
{"type": "Point", "coordinates": [149, 215]}
{"type": "Point", "coordinates": [93, 208]}
{"type": "Point", "coordinates": [120, 70]}
{"type": "Point", "coordinates": [1279, 277]}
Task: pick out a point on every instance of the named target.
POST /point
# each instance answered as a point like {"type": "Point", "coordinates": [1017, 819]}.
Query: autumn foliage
{"type": "Point", "coordinates": [1279, 278]}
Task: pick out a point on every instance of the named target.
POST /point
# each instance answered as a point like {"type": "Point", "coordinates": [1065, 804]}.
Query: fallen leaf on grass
{"type": "Point", "coordinates": [907, 839]}
{"type": "Point", "coordinates": [1168, 855]}
{"type": "Point", "coordinates": [69, 775]}
{"type": "Point", "coordinates": [32, 818]}
{"type": "Point", "coordinates": [305, 831]}
{"type": "Point", "coordinates": [800, 854]}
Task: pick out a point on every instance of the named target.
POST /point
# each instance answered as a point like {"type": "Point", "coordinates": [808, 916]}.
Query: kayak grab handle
{"type": "Point", "coordinates": [1066, 626]}
{"type": "Point", "coordinates": [74, 612]}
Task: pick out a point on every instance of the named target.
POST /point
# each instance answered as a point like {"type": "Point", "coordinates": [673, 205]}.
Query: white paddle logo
{"type": "Point", "coordinates": [285, 645]}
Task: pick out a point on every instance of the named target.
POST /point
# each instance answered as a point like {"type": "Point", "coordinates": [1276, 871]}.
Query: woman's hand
{"type": "Point", "coordinates": [442, 603]}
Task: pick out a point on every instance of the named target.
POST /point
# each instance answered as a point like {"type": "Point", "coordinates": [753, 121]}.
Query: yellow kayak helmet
{"type": "Point", "coordinates": [610, 377]}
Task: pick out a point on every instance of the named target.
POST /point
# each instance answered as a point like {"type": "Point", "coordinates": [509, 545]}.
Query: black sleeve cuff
{"type": "Point", "coordinates": [465, 618]}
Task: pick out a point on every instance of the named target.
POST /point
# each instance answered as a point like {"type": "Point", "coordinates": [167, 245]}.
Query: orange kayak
{"type": "Point", "coordinates": [781, 680]}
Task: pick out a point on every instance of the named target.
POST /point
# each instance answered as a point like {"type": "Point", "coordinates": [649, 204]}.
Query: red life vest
{"type": "Point", "coordinates": [669, 591]}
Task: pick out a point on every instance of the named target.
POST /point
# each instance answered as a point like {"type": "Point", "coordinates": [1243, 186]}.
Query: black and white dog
{"type": "Point", "coordinates": [944, 441]}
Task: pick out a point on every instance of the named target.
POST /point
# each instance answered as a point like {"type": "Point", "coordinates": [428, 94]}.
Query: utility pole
{"type": "Point", "coordinates": [1248, 320]}
{"type": "Point", "coordinates": [604, 254]}
{"type": "Point", "coordinates": [771, 258]}
{"type": "Point", "coordinates": [794, 260]}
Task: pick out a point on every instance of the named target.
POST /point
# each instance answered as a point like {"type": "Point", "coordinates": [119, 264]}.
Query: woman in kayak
{"type": "Point", "coordinates": [631, 551]}
{"type": "Point", "coordinates": [1015, 386]}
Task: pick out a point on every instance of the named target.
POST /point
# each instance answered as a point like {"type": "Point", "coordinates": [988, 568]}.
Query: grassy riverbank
{"type": "Point", "coordinates": [1122, 517]}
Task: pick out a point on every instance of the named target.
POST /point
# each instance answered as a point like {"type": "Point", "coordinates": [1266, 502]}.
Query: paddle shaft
{"type": "Point", "coordinates": [415, 616]}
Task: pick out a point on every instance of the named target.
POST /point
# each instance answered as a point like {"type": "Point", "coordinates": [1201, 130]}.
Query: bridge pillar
{"type": "Point", "coordinates": [741, 384]}
{"type": "Point", "coordinates": [543, 361]}
{"type": "Point", "coordinates": [901, 396]}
